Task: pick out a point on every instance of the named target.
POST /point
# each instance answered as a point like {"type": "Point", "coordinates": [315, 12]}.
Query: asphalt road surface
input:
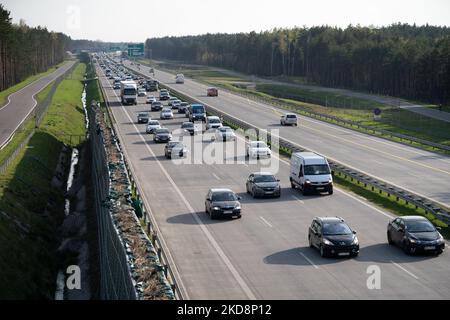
{"type": "Point", "coordinates": [22, 102]}
{"type": "Point", "coordinates": [425, 173]}
{"type": "Point", "coordinates": [265, 254]}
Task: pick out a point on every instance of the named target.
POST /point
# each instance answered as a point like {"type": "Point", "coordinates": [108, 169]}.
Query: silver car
{"type": "Point", "coordinates": [152, 125]}
{"type": "Point", "coordinates": [289, 119]}
{"type": "Point", "coordinates": [166, 114]}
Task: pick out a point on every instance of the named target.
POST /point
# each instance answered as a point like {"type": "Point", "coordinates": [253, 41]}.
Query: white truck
{"type": "Point", "coordinates": [310, 172]}
{"type": "Point", "coordinates": [128, 92]}
{"type": "Point", "coordinates": [179, 78]}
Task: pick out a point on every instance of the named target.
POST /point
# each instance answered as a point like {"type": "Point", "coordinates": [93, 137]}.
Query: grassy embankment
{"type": "Point", "coordinates": [30, 208]}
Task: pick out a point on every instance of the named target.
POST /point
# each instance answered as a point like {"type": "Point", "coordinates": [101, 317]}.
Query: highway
{"type": "Point", "coordinates": [264, 255]}
{"type": "Point", "coordinates": [424, 173]}
{"type": "Point", "coordinates": [22, 102]}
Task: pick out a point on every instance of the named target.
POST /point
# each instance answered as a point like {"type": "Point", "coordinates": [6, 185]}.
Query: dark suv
{"type": "Point", "coordinates": [415, 234]}
{"type": "Point", "coordinates": [222, 203]}
{"type": "Point", "coordinates": [333, 237]}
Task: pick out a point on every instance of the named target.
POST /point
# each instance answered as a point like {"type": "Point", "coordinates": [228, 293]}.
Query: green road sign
{"type": "Point", "coordinates": [136, 50]}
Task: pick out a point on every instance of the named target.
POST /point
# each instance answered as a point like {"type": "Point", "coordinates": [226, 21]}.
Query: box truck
{"type": "Point", "coordinates": [128, 92]}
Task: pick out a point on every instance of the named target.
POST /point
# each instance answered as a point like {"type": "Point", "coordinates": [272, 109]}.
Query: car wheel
{"type": "Point", "coordinates": [292, 185]}
{"type": "Point", "coordinates": [438, 252]}
{"type": "Point", "coordinates": [246, 187]}
{"type": "Point", "coordinates": [310, 242]}
{"type": "Point", "coordinates": [389, 238]}
{"type": "Point", "coordinates": [406, 248]}
{"type": "Point", "coordinates": [253, 193]}
{"type": "Point", "coordinates": [354, 255]}
{"type": "Point", "coordinates": [322, 251]}
{"type": "Point", "coordinates": [330, 191]}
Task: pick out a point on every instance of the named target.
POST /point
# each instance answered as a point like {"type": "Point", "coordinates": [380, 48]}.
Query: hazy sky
{"type": "Point", "coordinates": [136, 20]}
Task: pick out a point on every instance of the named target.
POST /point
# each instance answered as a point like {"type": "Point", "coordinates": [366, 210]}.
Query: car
{"type": "Point", "coordinates": [222, 203]}
{"type": "Point", "coordinates": [171, 100]}
{"type": "Point", "coordinates": [165, 114]}
{"type": "Point", "coordinates": [162, 135]}
{"type": "Point", "coordinates": [310, 173]}
{"type": "Point", "coordinates": [176, 104]}
{"type": "Point", "coordinates": [150, 100]}
{"type": "Point", "coordinates": [190, 128]}
{"type": "Point", "coordinates": [263, 184]}
{"type": "Point", "coordinates": [258, 149]}
{"type": "Point", "coordinates": [225, 134]}
{"type": "Point", "coordinates": [163, 96]}
{"type": "Point", "coordinates": [152, 125]}
{"type": "Point", "coordinates": [116, 86]}
{"type": "Point", "coordinates": [182, 107]}
{"type": "Point", "coordinates": [288, 119]}
{"type": "Point", "coordinates": [175, 149]}
{"type": "Point", "coordinates": [212, 92]}
{"type": "Point", "coordinates": [156, 106]}
{"type": "Point", "coordinates": [415, 234]}
{"type": "Point", "coordinates": [142, 92]}
{"type": "Point", "coordinates": [333, 237]}
{"type": "Point", "coordinates": [143, 117]}
{"type": "Point", "coordinates": [197, 112]}
{"type": "Point", "coordinates": [179, 78]}
{"type": "Point", "coordinates": [213, 122]}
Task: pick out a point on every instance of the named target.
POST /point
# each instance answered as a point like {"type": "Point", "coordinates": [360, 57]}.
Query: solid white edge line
{"type": "Point", "coordinates": [205, 230]}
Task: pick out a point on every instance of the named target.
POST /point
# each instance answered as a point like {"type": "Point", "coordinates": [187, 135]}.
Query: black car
{"type": "Point", "coordinates": [162, 135]}
{"type": "Point", "coordinates": [156, 106]}
{"type": "Point", "coordinates": [415, 234]}
{"type": "Point", "coordinates": [263, 184]}
{"type": "Point", "coordinates": [143, 117]}
{"type": "Point", "coordinates": [222, 203]}
{"type": "Point", "coordinates": [333, 237]}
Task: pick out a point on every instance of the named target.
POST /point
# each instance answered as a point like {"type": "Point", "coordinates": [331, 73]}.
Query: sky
{"type": "Point", "coordinates": [137, 20]}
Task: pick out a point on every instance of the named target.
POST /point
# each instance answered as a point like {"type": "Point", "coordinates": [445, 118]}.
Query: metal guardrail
{"type": "Point", "coordinates": [4, 166]}
{"type": "Point", "coordinates": [361, 178]}
{"type": "Point", "coordinates": [150, 223]}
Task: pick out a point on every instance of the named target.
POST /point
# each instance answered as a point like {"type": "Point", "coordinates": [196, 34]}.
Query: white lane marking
{"type": "Point", "coordinates": [215, 176]}
{"type": "Point", "coordinates": [343, 163]}
{"type": "Point", "coordinates": [309, 260]}
{"type": "Point", "coordinates": [298, 199]}
{"type": "Point", "coordinates": [266, 222]}
{"type": "Point", "coordinates": [205, 230]}
{"type": "Point", "coordinates": [408, 272]}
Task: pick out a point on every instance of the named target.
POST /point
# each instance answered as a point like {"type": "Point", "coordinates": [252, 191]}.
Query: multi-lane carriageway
{"type": "Point", "coordinates": [264, 255]}
{"type": "Point", "coordinates": [424, 173]}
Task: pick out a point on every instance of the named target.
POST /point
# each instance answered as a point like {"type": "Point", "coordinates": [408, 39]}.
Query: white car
{"type": "Point", "coordinates": [258, 149]}
{"type": "Point", "coordinates": [150, 99]}
{"type": "Point", "coordinates": [225, 134]}
{"type": "Point", "coordinates": [289, 119]}
{"type": "Point", "coordinates": [213, 122]}
{"type": "Point", "coordinates": [142, 93]}
{"type": "Point", "coordinates": [152, 125]}
{"type": "Point", "coordinates": [166, 114]}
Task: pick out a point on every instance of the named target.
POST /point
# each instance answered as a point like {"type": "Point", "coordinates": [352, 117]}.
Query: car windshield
{"type": "Point", "coordinates": [143, 114]}
{"type": "Point", "coordinates": [162, 131]}
{"type": "Point", "coordinates": [187, 125]}
{"type": "Point", "coordinates": [153, 123]}
{"type": "Point", "coordinates": [214, 120]}
{"type": "Point", "coordinates": [317, 169]}
{"type": "Point", "coordinates": [172, 144]}
{"type": "Point", "coordinates": [129, 92]}
{"type": "Point", "coordinates": [291, 116]}
{"type": "Point", "coordinates": [335, 229]}
{"type": "Point", "coordinates": [419, 226]}
{"type": "Point", "coordinates": [225, 129]}
{"type": "Point", "coordinates": [265, 178]}
{"type": "Point", "coordinates": [224, 196]}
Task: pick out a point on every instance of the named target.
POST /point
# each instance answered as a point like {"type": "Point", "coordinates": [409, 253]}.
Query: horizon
{"type": "Point", "coordinates": [78, 19]}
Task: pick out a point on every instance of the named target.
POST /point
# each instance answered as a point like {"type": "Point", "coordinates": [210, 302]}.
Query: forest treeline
{"type": "Point", "coordinates": [26, 51]}
{"type": "Point", "coordinates": [399, 60]}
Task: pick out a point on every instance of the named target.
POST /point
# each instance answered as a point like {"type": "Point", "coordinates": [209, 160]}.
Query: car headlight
{"type": "Point", "coordinates": [414, 240]}
{"type": "Point", "coordinates": [216, 208]}
{"type": "Point", "coordinates": [328, 242]}
{"type": "Point", "coordinates": [307, 182]}
{"type": "Point", "coordinates": [238, 207]}
{"type": "Point", "coordinates": [355, 241]}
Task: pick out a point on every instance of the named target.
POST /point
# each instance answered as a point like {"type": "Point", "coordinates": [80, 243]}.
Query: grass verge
{"type": "Point", "coordinates": [30, 207]}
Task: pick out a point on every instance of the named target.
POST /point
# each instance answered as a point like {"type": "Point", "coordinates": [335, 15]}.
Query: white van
{"type": "Point", "coordinates": [179, 78]}
{"type": "Point", "coordinates": [310, 172]}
